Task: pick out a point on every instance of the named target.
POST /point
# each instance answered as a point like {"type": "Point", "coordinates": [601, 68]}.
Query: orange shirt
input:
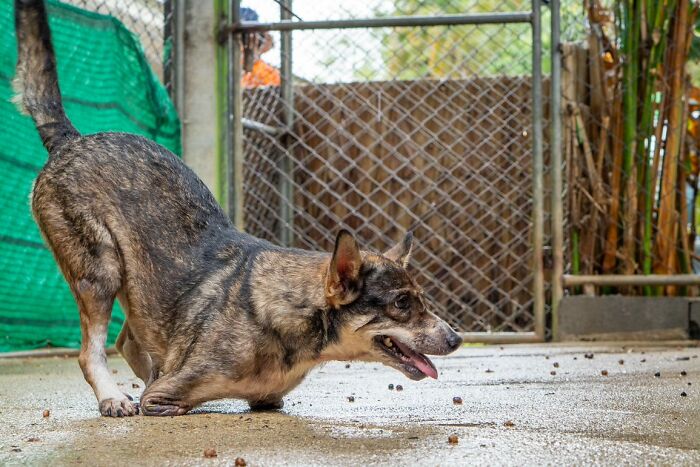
{"type": "Point", "coordinates": [262, 75]}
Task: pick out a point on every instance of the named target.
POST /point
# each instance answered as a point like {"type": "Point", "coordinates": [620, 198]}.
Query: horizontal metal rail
{"type": "Point", "coordinates": [570, 280]}
{"type": "Point", "coordinates": [501, 337]}
{"type": "Point", "coordinates": [386, 22]}
{"type": "Point", "coordinates": [261, 127]}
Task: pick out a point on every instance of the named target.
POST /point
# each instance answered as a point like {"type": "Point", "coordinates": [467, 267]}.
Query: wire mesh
{"type": "Point", "coordinates": [145, 18]}
{"type": "Point", "coordinates": [423, 128]}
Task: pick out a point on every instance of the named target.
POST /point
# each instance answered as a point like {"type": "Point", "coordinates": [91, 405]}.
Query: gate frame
{"type": "Point", "coordinates": [230, 35]}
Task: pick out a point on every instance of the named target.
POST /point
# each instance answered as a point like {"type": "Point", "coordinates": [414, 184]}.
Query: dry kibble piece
{"type": "Point", "coordinates": [604, 372]}
{"type": "Point", "coordinates": [46, 413]}
{"type": "Point", "coordinates": [135, 385]}
{"type": "Point", "coordinates": [684, 373]}
{"type": "Point", "coordinates": [391, 387]}
{"type": "Point", "coordinates": [621, 362]}
{"type": "Point", "coordinates": [453, 439]}
{"type": "Point", "coordinates": [555, 364]}
{"type": "Point", "coordinates": [240, 462]}
{"type": "Point", "coordinates": [210, 453]}
{"type": "Point", "coordinates": [351, 398]}
{"type": "Point", "coordinates": [657, 374]}
{"type": "Point", "coordinates": [399, 387]}
{"type": "Point", "coordinates": [552, 372]}
{"type": "Point", "coordinates": [643, 360]}
{"type": "Point", "coordinates": [684, 394]}
{"type": "Point", "coordinates": [114, 371]}
{"type": "Point", "coordinates": [457, 400]}
{"type": "Point", "coordinates": [509, 423]}
{"type": "Point", "coordinates": [347, 365]}
{"type": "Point", "coordinates": [589, 355]}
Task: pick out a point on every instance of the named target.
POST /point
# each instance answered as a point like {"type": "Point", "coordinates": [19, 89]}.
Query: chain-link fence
{"type": "Point", "coordinates": [630, 114]}
{"type": "Point", "coordinates": [381, 130]}
{"type": "Point", "coordinates": [149, 20]}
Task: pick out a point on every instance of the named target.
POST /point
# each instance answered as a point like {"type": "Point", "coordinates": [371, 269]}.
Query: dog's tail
{"type": "Point", "coordinates": [36, 80]}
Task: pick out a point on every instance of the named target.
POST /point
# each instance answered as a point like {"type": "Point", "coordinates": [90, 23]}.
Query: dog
{"type": "Point", "coordinates": [211, 312]}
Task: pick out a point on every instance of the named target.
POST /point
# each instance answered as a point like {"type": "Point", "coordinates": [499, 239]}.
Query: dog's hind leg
{"type": "Point", "coordinates": [138, 359]}
{"type": "Point", "coordinates": [86, 253]}
{"type": "Point", "coordinates": [95, 312]}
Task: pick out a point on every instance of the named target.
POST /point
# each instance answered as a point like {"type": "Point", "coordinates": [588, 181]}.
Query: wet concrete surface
{"type": "Point", "coordinates": [514, 412]}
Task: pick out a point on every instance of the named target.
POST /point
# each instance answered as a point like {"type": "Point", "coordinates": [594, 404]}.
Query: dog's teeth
{"type": "Point", "coordinates": [388, 342]}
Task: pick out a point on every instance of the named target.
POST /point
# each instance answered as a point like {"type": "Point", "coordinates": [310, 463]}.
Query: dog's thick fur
{"type": "Point", "coordinates": [210, 312]}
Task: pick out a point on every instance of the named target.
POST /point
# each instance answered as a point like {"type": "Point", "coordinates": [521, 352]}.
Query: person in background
{"type": "Point", "coordinates": [262, 74]}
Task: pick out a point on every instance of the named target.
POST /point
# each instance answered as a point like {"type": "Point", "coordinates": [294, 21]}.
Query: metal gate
{"type": "Point", "coordinates": [421, 117]}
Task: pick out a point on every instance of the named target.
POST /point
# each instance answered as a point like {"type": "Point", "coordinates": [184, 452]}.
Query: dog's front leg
{"type": "Point", "coordinates": [168, 395]}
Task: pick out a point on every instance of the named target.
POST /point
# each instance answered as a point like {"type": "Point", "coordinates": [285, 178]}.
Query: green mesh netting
{"type": "Point", "coordinates": [107, 84]}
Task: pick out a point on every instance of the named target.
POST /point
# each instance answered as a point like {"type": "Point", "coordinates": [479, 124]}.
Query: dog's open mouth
{"type": "Point", "coordinates": [415, 364]}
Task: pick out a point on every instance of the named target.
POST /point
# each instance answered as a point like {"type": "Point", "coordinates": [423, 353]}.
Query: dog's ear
{"type": "Point", "coordinates": [342, 280]}
{"type": "Point", "coordinates": [401, 252]}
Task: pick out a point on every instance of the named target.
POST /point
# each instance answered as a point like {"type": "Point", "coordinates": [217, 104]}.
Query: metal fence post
{"type": "Point", "coordinates": [537, 168]}
{"type": "Point", "coordinates": [234, 160]}
{"type": "Point", "coordinates": [287, 94]}
{"type": "Point", "coordinates": [557, 220]}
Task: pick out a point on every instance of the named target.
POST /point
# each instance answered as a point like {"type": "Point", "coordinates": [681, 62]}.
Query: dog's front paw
{"type": "Point", "coordinates": [118, 408]}
{"type": "Point", "coordinates": [155, 406]}
{"type": "Point", "coordinates": [266, 405]}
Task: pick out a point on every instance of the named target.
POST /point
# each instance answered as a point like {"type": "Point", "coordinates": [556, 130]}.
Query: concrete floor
{"type": "Point", "coordinates": [576, 416]}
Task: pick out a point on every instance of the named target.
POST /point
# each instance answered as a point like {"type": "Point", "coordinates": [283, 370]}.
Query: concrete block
{"type": "Point", "coordinates": [617, 317]}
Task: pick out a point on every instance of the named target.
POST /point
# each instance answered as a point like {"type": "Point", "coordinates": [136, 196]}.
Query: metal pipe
{"type": "Point", "coordinates": [179, 59]}
{"type": "Point", "coordinates": [500, 337]}
{"type": "Point", "coordinates": [537, 172]}
{"type": "Point", "coordinates": [386, 22]}
{"type": "Point", "coordinates": [286, 233]}
{"type": "Point", "coordinates": [249, 124]}
{"type": "Point", "coordinates": [234, 166]}
{"type": "Point", "coordinates": [570, 280]}
{"type": "Point", "coordinates": [557, 221]}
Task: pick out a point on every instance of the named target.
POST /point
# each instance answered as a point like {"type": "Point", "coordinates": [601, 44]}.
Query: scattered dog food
{"type": "Point", "coordinates": [135, 385]}
{"type": "Point", "coordinates": [684, 373]}
{"type": "Point", "coordinates": [621, 362]}
{"type": "Point", "coordinates": [240, 462]}
{"type": "Point", "coordinates": [552, 372]}
{"type": "Point", "coordinates": [657, 374]}
{"type": "Point", "coordinates": [589, 355]}
{"type": "Point", "coordinates": [399, 387]}
{"type": "Point", "coordinates": [114, 371]}
{"type": "Point", "coordinates": [488, 370]}
{"type": "Point", "coordinates": [684, 394]}
{"type": "Point", "coordinates": [453, 439]}
{"type": "Point", "coordinates": [643, 360]}
{"type": "Point", "coordinates": [210, 453]}
{"type": "Point", "coordinates": [46, 413]}
{"type": "Point", "coordinates": [604, 372]}
{"type": "Point", "coordinates": [457, 400]}
{"type": "Point", "coordinates": [391, 387]}
{"type": "Point", "coordinates": [347, 365]}
{"type": "Point", "coordinates": [555, 364]}
{"type": "Point", "coordinates": [351, 398]}
{"type": "Point", "coordinates": [575, 358]}
{"type": "Point", "coordinates": [509, 423]}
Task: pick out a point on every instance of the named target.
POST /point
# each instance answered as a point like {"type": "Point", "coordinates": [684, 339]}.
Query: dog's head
{"type": "Point", "coordinates": [384, 314]}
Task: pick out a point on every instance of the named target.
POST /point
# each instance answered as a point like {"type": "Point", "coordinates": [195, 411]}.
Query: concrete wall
{"type": "Point", "coordinates": [625, 318]}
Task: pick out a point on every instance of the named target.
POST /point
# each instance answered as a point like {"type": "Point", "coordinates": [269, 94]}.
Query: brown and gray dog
{"type": "Point", "coordinates": [210, 312]}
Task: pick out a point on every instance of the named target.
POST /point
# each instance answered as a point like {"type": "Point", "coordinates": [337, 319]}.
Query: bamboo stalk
{"type": "Point", "coordinates": [667, 208]}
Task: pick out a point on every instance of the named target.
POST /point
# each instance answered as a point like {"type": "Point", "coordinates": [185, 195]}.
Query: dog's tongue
{"type": "Point", "coordinates": [419, 361]}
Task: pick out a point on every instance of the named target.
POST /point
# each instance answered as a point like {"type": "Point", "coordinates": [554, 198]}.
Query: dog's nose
{"type": "Point", "coordinates": [454, 340]}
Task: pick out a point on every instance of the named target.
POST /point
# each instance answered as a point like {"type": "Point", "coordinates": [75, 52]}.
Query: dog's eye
{"type": "Point", "coordinates": [402, 302]}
